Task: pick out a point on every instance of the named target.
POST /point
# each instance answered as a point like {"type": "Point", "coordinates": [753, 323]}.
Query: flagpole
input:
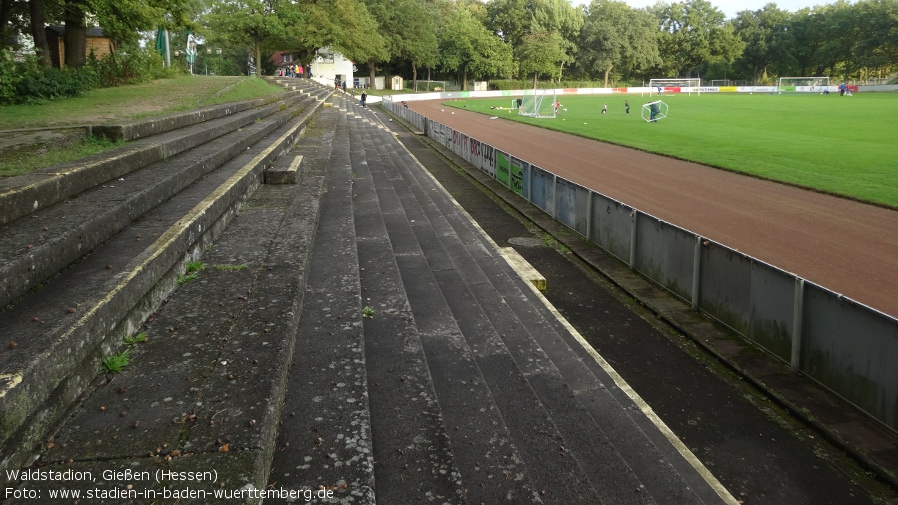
{"type": "Point", "coordinates": [167, 50]}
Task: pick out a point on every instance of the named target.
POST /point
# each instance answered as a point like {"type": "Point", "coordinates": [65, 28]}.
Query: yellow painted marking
{"type": "Point", "coordinates": [524, 269]}
{"type": "Point", "coordinates": [8, 381]}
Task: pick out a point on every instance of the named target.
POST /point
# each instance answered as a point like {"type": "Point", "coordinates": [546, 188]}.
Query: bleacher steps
{"type": "Point", "coordinates": [62, 330]}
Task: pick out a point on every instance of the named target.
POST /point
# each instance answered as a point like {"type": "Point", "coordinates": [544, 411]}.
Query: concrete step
{"type": "Point", "coordinates": [33, 249]}
{"type": "Point", "coordinates": [658, 461]}
{"type": "Point", "coordinates": [411, 447]}
{"type": "Point", "coordinates": [324, 439]}
{"type": "Point", "coordinates": [442, 306]}
{"type": "Point", "coordinates": [62, 330]}
{"type": "Point", "coordinates": [154, 140]}
{"type": "Point", "coordinates": [635, 444]}
{"type": "Point", "coordinates": [632, 466]}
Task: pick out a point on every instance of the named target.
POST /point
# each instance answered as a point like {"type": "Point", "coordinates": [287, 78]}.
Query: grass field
{"type": "Point", "coordinates": [841, 145]}
{"type": "Point", "coordinates": [113, 105]}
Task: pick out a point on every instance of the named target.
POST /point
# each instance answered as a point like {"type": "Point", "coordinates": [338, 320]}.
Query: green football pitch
{"type": "Point", "coordinates": [841, 145]}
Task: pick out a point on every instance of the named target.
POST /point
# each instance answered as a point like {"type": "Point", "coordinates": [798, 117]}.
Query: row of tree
{"type": "Point", "coordinates": [533, 39]}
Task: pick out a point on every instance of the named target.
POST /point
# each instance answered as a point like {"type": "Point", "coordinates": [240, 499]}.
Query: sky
{"type": "Point", "coordinates": [731, 7]}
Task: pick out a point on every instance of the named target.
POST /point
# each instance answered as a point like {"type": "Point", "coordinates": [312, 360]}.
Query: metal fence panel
{"type": "Point", "coordinates": [665, 253]}
{"type": "Point", "coordinates": [541, 183]}
{"type": "Point", "coordinates": [516, 175]}
{"type": "Point", "coordinates": [488, 159]}
{"type": "Point", "coordinates": [573, 205]}
{"type": "Point", "coordinates": [851, 349]}
{"type": "Point", "coordinates": [725, 285]}
{"type": "Point", "coordinates": [503, 167]}
{"type": "Point", "coordinates": [772, 310]}
{"type": "Point", "coordinates": [845, 346]}
{"type": "Point", "coordinates": [612, 225]}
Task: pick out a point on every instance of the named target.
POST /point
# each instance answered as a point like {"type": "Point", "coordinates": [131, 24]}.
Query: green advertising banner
{"type": "Point", "coordinates": [503, 167]}
{"type": "Point", "coordinates": [516, 179]}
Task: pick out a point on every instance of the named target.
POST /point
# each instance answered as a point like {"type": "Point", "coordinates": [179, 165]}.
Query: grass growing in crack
{"type": "Point", "coordinates": [115, 363]}
{"type": "Point", "coordinates": [190, 272]}
{"type": "Point", "coordinates": [133, 340]}
{"type": "Point", "coordinates": [231, 268]}
{"type": "Point", "coordinates": [368, 312]}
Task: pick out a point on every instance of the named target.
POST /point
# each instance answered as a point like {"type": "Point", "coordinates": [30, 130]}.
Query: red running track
{"type": "Point", "coordinates": [846, 246]}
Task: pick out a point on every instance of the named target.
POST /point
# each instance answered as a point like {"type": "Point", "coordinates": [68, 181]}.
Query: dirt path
{"type": "Point", "coordinates": [848, 247]}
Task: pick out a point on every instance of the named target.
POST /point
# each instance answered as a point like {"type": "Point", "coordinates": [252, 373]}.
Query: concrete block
{"type": "Point", "coordinates": [524, 269]}
{"type": "Point", "coordinates": [284, 175]}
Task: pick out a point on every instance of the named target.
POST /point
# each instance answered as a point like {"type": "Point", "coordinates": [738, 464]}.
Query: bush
{"type": "Point", "coordinates": [9, 76]}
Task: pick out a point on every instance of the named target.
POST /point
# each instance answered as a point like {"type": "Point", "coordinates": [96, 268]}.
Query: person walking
{"type": "Point", "coordinates": [362, 100]}
{"type": "Point", "coordinates": [627, 107]}
{"type": "Point", "coordinates": [604, 108]}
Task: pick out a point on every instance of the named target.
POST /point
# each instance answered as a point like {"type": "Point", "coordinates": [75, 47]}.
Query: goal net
{"type": "Point", "coordinates": [686, 85]}
{"type": "Point", "coordinates": [654, 111]}
{"type": "Point", "coordinates": [802, 84]}
{"type": "Point", "coordinates": [539, 103]}
{"type": "Point", "coordinates": [430, 86]}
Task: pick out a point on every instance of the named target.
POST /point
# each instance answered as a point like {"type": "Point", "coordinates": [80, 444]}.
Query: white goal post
{"type": "Point", "coordinates": [802, 84]}
{"type": "Point", "coordinates": [654, 111]}
{"type": "Point", "coordinates": [685, 84]}
{"type": "Point", "coordinates": [539, 103]}
{"type": "Point", "coordinates": [430, 85]}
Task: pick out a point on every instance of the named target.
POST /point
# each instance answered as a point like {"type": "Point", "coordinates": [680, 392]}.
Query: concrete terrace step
{"type": "Point", "coordinates": [61, 330]}
{"type": "Point", "coordinates": [539, 443]}
{"type": "Point", "coordinates": [325, 431]}
{"type": "Point", "coordinates": [554, 362]}
{"type": "Point", "coordinates": [23, 195]}
{"type": "Point", "coordinates": [33, 249]}
{"type": "Point", "coordinates": [624, 464]}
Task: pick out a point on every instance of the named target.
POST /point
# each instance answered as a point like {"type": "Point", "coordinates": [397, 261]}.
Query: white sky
{"type": "Point", "coordinates": [731, 7]}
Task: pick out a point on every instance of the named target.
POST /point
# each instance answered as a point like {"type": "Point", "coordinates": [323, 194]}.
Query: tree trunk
{"type": "Point", "coordinates": [38, 31]}
{"type": "Point", "coordinates": [372, 74]}
{"type": "Point", "coordinates": [607, 73]}
{"type": "Point", "coordinates": [560, 72]}
{"type": "Point", "coordinates": [5, 18]}
{"type": "Point", "coordinates": [535, 75]}
{"type": "Point", "coordinates": [75, 35]}
{"type": "Point", "coordinates": [414, 76]}
{"type": "Point", "coordinates": [464, 79]}
{"type": "Point", "coordinates": [258, 55]}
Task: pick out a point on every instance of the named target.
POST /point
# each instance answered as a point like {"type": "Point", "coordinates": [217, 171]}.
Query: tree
{"type": "Point", "coordinates": [615, 35]}
{"type": "Point", "coordinates": [766, 38]}
{"type": "Point", "coordinates": [250, 23]}
{"type": "Point", "coordinates": [469, 48]}
{"type": "Point", "coordinates": [693, 34]}
{"type": "Point", "coordinates": [877, 46]}
{"type": "Point", "coordinates": [38, 31]}
{"type": "Point", "coordinates": [561, 18]}
{"type": "Point", "coordinates": [414, 29]}
{"type": "Point", "coordinates": [540, 54]}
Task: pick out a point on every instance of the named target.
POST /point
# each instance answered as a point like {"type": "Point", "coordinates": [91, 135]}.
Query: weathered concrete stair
{"type": "Point", "coordinates": [477, 394]}
{"type": "Point", "coordinates": [125, 244]}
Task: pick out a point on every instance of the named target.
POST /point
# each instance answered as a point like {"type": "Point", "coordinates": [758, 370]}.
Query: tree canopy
{"type": "Point", "coordinates": [472, 39]}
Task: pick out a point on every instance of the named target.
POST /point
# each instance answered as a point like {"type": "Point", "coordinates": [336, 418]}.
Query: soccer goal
{"type": "Point", "coordinates": [430, 86]}
{"type": "Point", "coordinates": [686, 85]}
{"type": "Point", "coordinates": [539, 103]}
{"type": "Point", "coordinates": [802, 84]}
{"type": "Point", "coordinates": [654, 111]}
